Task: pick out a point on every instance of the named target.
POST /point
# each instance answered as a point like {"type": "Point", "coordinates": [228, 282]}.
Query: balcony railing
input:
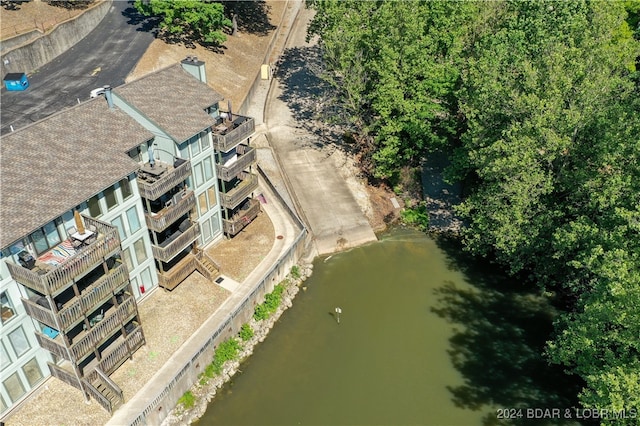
{"type": "Point", "coordinates": [226, 136]}
{"type": "Point", "coordinates": [174, 276]}
{"type": "Point", "coordinates": [89, 341]}
{"type": "Point", "coordinates": [168, 250]}
{"type": "Point", "coordinates": [207, 266]}
{"type": "Point", "coordinates": [109, 396]}
{"type": "Point", "coordinates": [168, 215]}
{"type": "Point", "coordinates": [244, 161]}
{"type": "Point", "coordinates": [241, 219]}
{"type": "Point", "coordinates": [234, 196]}
{"type": "Point", "coordinates": [152, 187]}
{"type": "Point", "coordinates": [57, 277]}
{"type": "Point", "coordinates": [114, 358]}
{"type": "Point", "coordinates": [66, 376]}
{"type": "Point", "coordinates": [93, 296]}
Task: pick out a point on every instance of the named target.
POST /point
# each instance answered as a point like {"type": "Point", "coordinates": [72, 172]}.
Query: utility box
{"type": "Point", "coordinates": [16, 81]}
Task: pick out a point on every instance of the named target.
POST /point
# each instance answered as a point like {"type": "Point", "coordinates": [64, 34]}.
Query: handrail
{"type": "Point", "coordinates": [168, 215]}
{"type": "Point", "coordinates": [235, 196]}
{"type": "Point", "coordinates": [39, 313]}
{"type": "Point", "coordinates": [95, 394]}
{"type": "Point", "coordinates": [245, 160]}
{"type": "Point", "coordinates": [233, 137]}
{"type": "Point", "coordinates": [61, 275]}
{"type": "Point", "coordinates": [241, 219]}
{"type": "Point", "coordinates": [64, 375]}
{"type": "Point", "coordinates": [170, 179]}
{"type": "Point", "coordinates": [171, 278]}
{"type": "Point", "coordinates": [103, 329]}
{"type": "Point", "coordinates": [168, 252]}
{"type": "Point", "coordinates": [94, 295]}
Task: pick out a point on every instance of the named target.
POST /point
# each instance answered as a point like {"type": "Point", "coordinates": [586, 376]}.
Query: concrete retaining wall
{"type": "Point", "coordinates": [181, 377]}
{"type": "Point", "coordinates": [8, 44]}
{"type": "Point", "coordinates": [34, 53]}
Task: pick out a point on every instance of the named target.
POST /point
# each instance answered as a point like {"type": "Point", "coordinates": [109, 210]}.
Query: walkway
{"type": "Point", "coordinates": [328, 206]}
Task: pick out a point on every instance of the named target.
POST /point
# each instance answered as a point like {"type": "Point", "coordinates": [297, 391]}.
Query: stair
{"type": "Point", "coordinates": [104, 390]}
{"type": "Point", "coordinates": [206, 266]}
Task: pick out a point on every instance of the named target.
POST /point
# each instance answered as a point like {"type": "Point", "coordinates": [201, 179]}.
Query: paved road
{"type": "Point", "coordinates": [332, 213]}
{"type": "Point", "coordinates": [105, 56]}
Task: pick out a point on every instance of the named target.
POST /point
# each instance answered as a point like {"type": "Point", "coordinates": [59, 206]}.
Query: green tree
{"type": "Point", "coordinates": [192, 20]}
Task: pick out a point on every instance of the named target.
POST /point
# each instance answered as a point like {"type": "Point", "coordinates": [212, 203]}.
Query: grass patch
{"type": "Point", "coordinates": [187, 400]}
{"type": "Point", "coordinates": [227, 351]}
{"type": "Point", "coordinates": [270, 304]}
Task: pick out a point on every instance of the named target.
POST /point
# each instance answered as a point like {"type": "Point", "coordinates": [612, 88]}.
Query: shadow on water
{"type": "Point", "coordinates": [501, 326]}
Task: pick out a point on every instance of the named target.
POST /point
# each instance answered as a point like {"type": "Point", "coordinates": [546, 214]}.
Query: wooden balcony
{"type": "Point", "coordinates": [169, 248]}
{"type": "Point", "coordinates": [50, 279]}
{"type": "Point", "coordinates": [243, 162]}
{"type": "Point", "coordinates": [163, 178]}
{"type": "Point", "coordinates": [120, 350]}
{"type": "Point", "coordinates": [236, 195]}
{"type": "Point", "coordinates": [227, 135]}
{"type": "Point", "coordinates": [174, 276]}
{"type": "Point", "coordinates": [93, 296]}
{"type": "Point", "coordinates": [69, 377]}
{"type": "Point", "coordinates": [86, 342]}
{"type": "Point", "coordinates": [168, 215]}
{"type": "Point", "coordinates": [241, 218]}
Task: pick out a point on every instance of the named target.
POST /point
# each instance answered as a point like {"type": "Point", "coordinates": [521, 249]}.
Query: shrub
{"type": "Point", "coordinates": [227, 351]}
{"type": "Point", "coordinates": [246, 332]}
{"type": "Point", "coordinates": [295, 272]}
{"type": "Point", "coordinates": [187, 400]}
{"type": "Point", "coordinates": [270, 304]}
{"type": "Point", "coordinates": [416, 216]}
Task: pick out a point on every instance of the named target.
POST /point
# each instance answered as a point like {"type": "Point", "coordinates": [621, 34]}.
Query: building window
{"type": "Point", "coordinates": [126, 255]}
{"type": "Point", "coordinates": [204, 140]}
{"type": "Point", "coordinates": [208, 168]}
{"type": "Point", "coordinates": [135, 154]}
{"type": "Point", "coordinates": [195, 145]}
{"type": "Point", "coordinates": [198, 173]}
{"type": "Point", "coordinates": [3, 406]}
{"type": "Point", "coordinates": [8, 311]}
{"type": "Point", "coordinates": [117, 222]}
{"type": "Point", "coordinates": [125, 187]}
{"type": "Point", "coordinates": [19, 341]}
{"type": "Point", "coordinates": [206, 230]}
{"type": "Point", "coordinates": [14, 387]}
{"type": "Point", "coordinates": [134, 221]}
{"type": "Point", "coordinates": [184, 149]}
{"type": "Point", "coordinates": [202, 203]}
{"type": "Point", "coordinates": [94, 206]}
{"type": "Point", "coordinates": [211, 192]}
{"type": "Point", "coordinates": [5, 361]}
{"type": "Point", "coordinates": [45, 238]}
{"type": "Point", "coordinates": [32, 372]}
{"type": "Point", "coordinates": [110, 197]}
{"type": "Point", "coordinates": [141, 253]}
{"type": "Point", "coordinates": [215, 224]}
{"type": "Point", "coordinates": [145, 277]}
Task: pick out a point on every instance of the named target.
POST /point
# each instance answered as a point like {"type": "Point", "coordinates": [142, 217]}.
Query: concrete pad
{"type": "Point", "coordinates": [227, 283]}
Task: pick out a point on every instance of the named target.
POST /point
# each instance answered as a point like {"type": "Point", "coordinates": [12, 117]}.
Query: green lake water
{"type": "Point", "coordinates": [425, 337]}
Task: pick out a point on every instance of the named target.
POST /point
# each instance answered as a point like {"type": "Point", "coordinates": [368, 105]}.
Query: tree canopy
{"type": "Point", "coordinates": [537, 106]}
{"type": "Point", "coordinates": [192, 20]}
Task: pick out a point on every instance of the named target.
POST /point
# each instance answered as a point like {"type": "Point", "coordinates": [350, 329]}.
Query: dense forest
{"type": "Point", "coordinates": [537, 106]}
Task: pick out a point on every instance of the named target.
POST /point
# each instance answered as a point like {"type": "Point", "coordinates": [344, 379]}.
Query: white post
{"type": "Point", "coordinates": [338, 312]}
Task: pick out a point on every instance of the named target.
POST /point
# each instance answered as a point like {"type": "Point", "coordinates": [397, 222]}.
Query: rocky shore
{"type": "Point", "coordinates": [204, 394]}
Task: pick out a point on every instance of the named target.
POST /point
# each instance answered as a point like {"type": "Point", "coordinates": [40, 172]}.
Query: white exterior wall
{"type": "Point", "coordinates": [13, 365]}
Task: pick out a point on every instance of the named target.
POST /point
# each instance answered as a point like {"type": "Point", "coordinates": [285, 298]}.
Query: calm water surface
{"type": "Point", "coordinates": [421, 340]}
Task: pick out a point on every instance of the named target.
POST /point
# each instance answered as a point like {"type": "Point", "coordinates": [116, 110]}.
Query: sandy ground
{"type": "Point", "coordinates": [230, 71]}
{"type": "Point", "coordinates": [32, 15]}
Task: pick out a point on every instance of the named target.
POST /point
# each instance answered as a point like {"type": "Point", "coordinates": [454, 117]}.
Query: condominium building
{"type": "Point", "coordinates": [99, 205]}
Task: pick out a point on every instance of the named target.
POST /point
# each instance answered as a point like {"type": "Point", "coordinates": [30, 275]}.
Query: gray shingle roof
{"type": "Point", "coordinates": [53, 165]}
{"type": "Point", "coordinates": [173, 99]}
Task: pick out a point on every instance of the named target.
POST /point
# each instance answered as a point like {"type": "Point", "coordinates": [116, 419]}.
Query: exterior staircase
{"type": "Point", "coordinates": [104, 390]}
{"type": "Point", "coordinates": [207, 266]}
